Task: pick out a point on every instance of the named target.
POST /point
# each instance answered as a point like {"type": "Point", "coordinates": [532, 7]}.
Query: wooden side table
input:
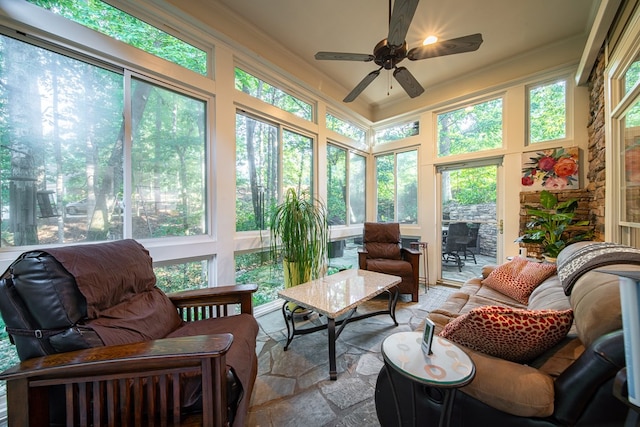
{"type": "Point", "coordinates": [447, 368]}
{"type": "Point", "coordinates": [424, 248]}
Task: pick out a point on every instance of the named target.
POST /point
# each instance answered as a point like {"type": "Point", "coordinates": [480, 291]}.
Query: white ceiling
{"type": "Point", "coordinates": [509, 28]}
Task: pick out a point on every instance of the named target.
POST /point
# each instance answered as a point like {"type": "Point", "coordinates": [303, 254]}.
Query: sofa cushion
{"type": "Point", "coordinates": [509, 333]}
{"type": "Point", "coordinates": [518, 278]}
{"type": "Point", "coordinates": [511, 387]}
{"type": "Point", "coordinates": [391, 266]}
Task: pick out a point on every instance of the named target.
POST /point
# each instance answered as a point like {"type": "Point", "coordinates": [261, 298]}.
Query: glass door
{"type": "Point", "coordinates": [469, 220]}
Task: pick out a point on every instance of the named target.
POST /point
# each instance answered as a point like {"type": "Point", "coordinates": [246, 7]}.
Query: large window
{"type": "Point", "coordinates": [345, 186]}
{"type": "Point", "coordinates": [61, 153]}
{"type": "Point", "coordinates": [474, 128]}
{"type": "Point", "coordinates": [397, 187]}
{"type": "Point", "coordinates": [268, 160]}
{"type": "Point", "coordinates": [547, 111]}
{"type": "Point", "coordinates": [167, 158]}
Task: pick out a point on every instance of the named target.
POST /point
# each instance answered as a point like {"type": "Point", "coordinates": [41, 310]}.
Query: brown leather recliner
{"type": "Point", "coordinates": [99, 341]}
{"type": "Point", "coordinates": [382, 252]}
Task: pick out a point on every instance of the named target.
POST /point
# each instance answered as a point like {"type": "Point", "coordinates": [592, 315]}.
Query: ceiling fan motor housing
{"type": "Point", "coordinates": [388, 56]}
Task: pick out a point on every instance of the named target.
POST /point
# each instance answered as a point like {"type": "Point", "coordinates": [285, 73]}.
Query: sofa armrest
{"type": "Point", "coordinates": [596, 366]}
{"type": "Point", "coordinates": [511, 387]}
{"type": "Point", "coordinates": [204, 303]}
{"type": "Point", "coordinates": [130, 380]}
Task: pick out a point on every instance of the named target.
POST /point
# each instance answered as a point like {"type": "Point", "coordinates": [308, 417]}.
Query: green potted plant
{"type": "Point", "coordinates": [548, 225]}
{"type": "Point", "coordinates": [299, 234]}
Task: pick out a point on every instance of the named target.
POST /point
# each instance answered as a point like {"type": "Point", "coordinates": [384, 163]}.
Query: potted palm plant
{"type": "Point", "coordinates": [299, 234]}
{"type": "Point", "coordinates": [548, 226]}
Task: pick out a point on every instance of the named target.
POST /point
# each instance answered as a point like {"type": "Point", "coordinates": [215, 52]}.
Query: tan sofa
{"type": "Point", "coordinates": [569, 384]}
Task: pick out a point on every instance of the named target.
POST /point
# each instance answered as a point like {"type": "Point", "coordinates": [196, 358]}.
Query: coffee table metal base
{"type": "Point", "coordinates": [330, 326]}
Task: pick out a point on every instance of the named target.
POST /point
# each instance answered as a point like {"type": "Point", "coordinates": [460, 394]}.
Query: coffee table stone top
{"type": "Point", "coordinates": [335, 295]}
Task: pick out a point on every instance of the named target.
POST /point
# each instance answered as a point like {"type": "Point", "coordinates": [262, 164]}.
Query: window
{"type": "Point", "coordinates": [396, 132]}
{"type": "Point", "coordinates": [257, 267]}
{"type": "Point", "coordinates": [262, 90]}
{"type": "Point", "coordinates": [547, 111]}
{"type": "Point", "coordinates": [336, 185]}
{"type": "Point", "coordinates": [345, 128]}
{"type": "Point", "coordinates": [630, 162]}
{"type": "Point", "coordinates": [357, 188]}
{"type": "Point", "coordinates": [623, 160]}
{"type": "Point", "coordinates": [397, 184]}
{"type": "Point", "coordinates": [470, 129]}
{"type": "Point", "coordinates": [167, 157]}
{"type": "Point", "coordinates": [632, 76]}
{"type": "Point", "coordinates": [182, 276]}
{"type": "Point", "coordinates": [259, 165]}
{"type": "Point", "coordinates": [108, 20]}
{"type": "Point", "coordinates": [64, 178]}
{"type": "Point", "coordinates": [62, 136]}
{"type": "Point", "coordinates": [339, 195]}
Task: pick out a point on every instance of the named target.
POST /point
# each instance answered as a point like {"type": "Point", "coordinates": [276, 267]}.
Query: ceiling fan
{"type": "Point", "coordinates": [392, 50]}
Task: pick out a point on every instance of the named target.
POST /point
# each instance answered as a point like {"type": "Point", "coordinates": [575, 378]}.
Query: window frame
{"type": "Point", "coordinates": [619, 102]}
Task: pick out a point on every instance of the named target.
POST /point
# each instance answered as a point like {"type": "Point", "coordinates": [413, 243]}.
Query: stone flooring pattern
{"type": "Point", "coordinates": [293, 386]}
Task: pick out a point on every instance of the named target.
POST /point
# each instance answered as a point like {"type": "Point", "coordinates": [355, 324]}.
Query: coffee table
{"type": "Point", "coordinates": [337, 298]}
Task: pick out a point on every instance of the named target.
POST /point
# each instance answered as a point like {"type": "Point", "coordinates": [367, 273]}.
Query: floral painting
{"type": "Point", "coordinates": [552, 169]}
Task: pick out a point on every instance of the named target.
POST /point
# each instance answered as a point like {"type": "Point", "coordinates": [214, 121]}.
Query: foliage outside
{"type": "Point", "coordinates": [470, 129]}
{"type": "Point", "coordinates": [299, 234]}
{"type": "Point", "coordinates": [549, 225]}
{"type": "Point", "coordinates": [270, 94]}
{"type": "Point", "coordinates": [108, 20]}
{"type": "Point", "coordinates": [344, 128]}
{"type": "Point", "coordinates": [547, 112]}
{"type": "Point", "coordinates": [397, 132]}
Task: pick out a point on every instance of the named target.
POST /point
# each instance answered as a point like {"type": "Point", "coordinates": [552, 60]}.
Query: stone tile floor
{"type": "Point", "coordinates": [293, 387]}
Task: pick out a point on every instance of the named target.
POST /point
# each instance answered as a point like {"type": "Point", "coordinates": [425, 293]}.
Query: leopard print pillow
{"type": "Point", "coordinates": [519, 277]}
{"type": "Point", "coordinates": [512, 334]}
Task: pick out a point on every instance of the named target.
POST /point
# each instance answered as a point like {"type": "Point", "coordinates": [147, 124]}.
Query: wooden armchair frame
{"type": "Point", "coordinates": [133, 384]}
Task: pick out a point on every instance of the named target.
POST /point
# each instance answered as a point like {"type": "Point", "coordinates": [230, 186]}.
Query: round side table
{"type": "Point", "coordinates": [448, 367]}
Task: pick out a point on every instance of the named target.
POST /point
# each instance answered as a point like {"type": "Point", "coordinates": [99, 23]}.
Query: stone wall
{"type": "Point", "coordinates": [597, 145]}
{"type": "Point", "coordinates": [481, 213]}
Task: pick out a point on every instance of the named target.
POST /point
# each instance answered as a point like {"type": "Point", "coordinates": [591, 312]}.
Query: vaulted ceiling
{"type": "Point", "coordinates": [288, 33]}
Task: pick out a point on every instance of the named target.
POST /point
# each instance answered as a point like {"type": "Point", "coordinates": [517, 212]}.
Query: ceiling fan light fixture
{"type": "Point", "coordinates": [430, 40]}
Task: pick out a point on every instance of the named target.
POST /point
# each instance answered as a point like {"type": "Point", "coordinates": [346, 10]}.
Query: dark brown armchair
{"type": "Point", "coordinates": [382, 252]}
{"type": "Point", "coordinates": [100, 344]}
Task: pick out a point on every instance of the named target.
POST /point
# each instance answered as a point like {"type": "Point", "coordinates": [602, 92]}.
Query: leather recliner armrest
{"type": "Point", "coordinates": [217, 296]}
{"type": "Point", "coordinates": [579, 382]}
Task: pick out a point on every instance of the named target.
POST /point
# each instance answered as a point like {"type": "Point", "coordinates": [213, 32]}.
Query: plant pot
{"type": "Point", "coordinates": [292, 278]}
{"type": "Point", "coordinates": [550, 259]}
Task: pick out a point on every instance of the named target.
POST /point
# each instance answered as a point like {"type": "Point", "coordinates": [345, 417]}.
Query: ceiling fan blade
{"type": "Point", "coordinates": [403, 11]}
{"type": "Point", "coordinates": [408, 82]}
{"type": "Point", "coordinates": [339, 56]}
{"type": "Point", "coordinates": [362, 85]}
{"type": "Point", "coordinates": [446, 47]}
